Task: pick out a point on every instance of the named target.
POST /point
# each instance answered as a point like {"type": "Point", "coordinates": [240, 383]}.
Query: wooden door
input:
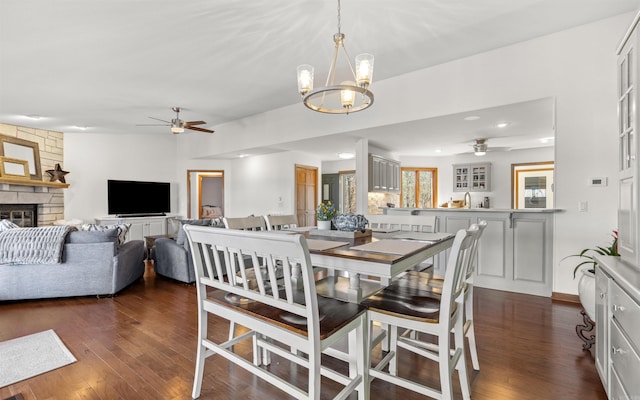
{"type": "Point", "coordinates": [306, 194]}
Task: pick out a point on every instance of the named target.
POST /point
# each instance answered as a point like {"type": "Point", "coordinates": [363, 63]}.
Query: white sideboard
{"type": "Point", "coordinates": [618, 327]}
{"type": "Point", "coordinates": [140, 226]}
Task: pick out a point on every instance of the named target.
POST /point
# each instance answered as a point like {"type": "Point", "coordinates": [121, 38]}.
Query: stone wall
{"type": "Point", "coordinates": [50, 200]}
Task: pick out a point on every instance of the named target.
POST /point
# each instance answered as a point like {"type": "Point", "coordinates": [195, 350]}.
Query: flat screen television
{"type": "Point", "coordinates": [136, 198]}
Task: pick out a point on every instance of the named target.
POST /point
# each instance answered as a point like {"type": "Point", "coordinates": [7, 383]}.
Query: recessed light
{"type": "Point", "coordinates": [82, 128]}
{"type": "Point", "coordinates": [438, 150]}
{"type": "Point", "coordinates": [243, 155]}
{"type": "Point", "coordinates": [34, 117]}
{"type": "Point", "coordinates": [546, 139]}
{"type": "Point", "coordinates": [502, 124]}
{"type": "Point", "coordinates": [471, 118]}
{"type": "Point", "coordinates": [346, 156]}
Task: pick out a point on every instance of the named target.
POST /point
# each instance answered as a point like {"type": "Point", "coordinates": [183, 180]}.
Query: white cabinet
{"type": "Point", "coordinates": [472, 177]}
{"type": "Point", "coordinates": [384, 174]}
{"type": "Point", "coordinates": [628, 188]}
{"type": "Point", "coordinates": [617, 339]}
{"type": "Point", "coordinates": [602, 329]}
{"type": "Point", "coordinates": [140, 226]}
{"type": "Point", "coordinates": [516, 250]}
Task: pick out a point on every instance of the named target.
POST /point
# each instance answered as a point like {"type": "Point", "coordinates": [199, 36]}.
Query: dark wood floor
{"type": "Point", "coordinates": [141, 345]}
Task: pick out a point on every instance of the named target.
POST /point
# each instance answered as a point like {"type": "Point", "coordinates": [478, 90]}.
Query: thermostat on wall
{"type": "Point", "coordinates": [598, 181]}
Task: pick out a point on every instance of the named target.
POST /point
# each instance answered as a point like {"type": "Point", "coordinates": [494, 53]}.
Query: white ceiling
{"type": "Point", "coordinates": [108, 65]}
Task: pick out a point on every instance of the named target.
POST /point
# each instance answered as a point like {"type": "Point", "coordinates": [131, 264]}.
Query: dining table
{"type": "Point", "coordinates": [361, 265]}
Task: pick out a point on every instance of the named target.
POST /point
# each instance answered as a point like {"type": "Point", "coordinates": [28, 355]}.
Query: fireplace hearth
{"type": "Point", "coordinates": [23, 215]}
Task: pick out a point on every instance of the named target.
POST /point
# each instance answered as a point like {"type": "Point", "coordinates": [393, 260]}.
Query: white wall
{"type": "Point", "coordinates": [265, 184]}
{"type": "Point", "coordinates": [94, 158]}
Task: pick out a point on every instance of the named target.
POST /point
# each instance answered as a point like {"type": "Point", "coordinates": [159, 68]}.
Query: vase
{"type": "Point", "coordinates": [587, 293]}
{"type": "Point", "coordinates": [324, 225]}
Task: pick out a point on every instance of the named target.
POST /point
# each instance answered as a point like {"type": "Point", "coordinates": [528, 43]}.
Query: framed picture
{"type": "Point", "coordinates": [14, 169]}
{"type": "Point", "coordinates": [20, 149]}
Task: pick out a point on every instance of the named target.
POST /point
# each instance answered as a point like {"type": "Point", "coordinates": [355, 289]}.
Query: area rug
{"type": "Point", "coordinates": [32, 355]}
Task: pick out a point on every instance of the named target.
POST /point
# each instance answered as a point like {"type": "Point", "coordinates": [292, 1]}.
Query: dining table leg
{"type": "Point", "coordinates": [355, 290]}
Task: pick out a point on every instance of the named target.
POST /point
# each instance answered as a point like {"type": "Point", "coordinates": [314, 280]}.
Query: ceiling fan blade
{"type": "Point", "coordinates": [195, 128]}
{"type": "Point", "coordinates": [158, 119]}
{"type": "Point", "coordinates": [190, 123]}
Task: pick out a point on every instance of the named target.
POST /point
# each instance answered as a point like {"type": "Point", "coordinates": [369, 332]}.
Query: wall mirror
{"type": "Point", "coordinates": [20, 149]}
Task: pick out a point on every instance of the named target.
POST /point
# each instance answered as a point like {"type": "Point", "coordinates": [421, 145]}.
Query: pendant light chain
{"type": "Point", "coordinates": [339, 17]}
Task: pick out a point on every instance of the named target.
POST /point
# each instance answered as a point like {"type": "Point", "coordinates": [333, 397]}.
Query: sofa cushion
{"type": "Point", "coordinates": [5, 225]}
{"type": "Point", "coordinates": [109, 235]}
{"type": "Point", "coordinates": [122, 230]}
{"type": "Point", "coordinates": [182, 236]}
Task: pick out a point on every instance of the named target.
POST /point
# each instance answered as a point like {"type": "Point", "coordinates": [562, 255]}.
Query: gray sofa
{"type": "Point", "coordinates": [93, 263]}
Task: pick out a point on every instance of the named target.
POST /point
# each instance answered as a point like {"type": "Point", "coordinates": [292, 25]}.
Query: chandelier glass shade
{"type": "Point", "coordinates": [343, 98]}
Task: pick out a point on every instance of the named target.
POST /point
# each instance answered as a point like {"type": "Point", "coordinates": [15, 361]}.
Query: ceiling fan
{"type": "Point", "coordinates": [480, 147]}
{"type": "Point", "coordinates": [178, 126]}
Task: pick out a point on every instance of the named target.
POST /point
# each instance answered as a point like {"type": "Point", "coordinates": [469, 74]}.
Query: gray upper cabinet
{"type": "Point", "coordinates": [472, 177]}
{"type": "Point", "coordinates": [384, 174]}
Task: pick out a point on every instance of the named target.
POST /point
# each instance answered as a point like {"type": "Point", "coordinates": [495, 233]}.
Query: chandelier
{"type": "Point", "coordinates": [343, 98]}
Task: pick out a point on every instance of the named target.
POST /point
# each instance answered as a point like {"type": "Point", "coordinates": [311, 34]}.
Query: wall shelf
{"type": "Point", "coordinates": [25, 182]}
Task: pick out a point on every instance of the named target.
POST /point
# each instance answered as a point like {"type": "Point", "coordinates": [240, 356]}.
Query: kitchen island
{"type": "Point", "coordinates": [516, 251]}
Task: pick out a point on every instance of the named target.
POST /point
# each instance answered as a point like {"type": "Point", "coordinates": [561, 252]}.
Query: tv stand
{"type": "Point", "coordinates": [144, 215]}
{"type": "Point", "coordinates": [141, 226]}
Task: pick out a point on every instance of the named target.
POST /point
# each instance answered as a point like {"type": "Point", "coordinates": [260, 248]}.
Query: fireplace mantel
{"type": "Point", "coordinates": [32, 183]}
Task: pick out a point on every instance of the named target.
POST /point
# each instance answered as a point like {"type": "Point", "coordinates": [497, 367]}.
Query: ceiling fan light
{"type": "Point", "coordinates": [480, 149]}
{"type": "Point", "coordinates": [177, 129]}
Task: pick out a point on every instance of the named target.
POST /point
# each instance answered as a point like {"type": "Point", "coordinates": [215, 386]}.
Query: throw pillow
{"type": "Point", "coordinates": [122, 230]}
{"type": "Point", "coordinates": [5, 225]}
{"type": "Point", "coordinates": [109, 235]}
{"type": "Point", "coordinates": [217, 222]}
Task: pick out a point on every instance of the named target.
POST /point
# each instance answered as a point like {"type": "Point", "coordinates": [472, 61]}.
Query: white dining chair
{"type": "Point", "coordinates": [414, 306]}
{"type": "Point", "coordinates": [273, 314]}
{"type": "Point", "coordinates": [250, 223]}
{"type": "Point", "coordinates": [279, 222]}
{"type": "Point", "coordinates": [437, 282]}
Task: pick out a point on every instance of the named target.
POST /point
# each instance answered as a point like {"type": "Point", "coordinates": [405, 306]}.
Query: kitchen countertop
{"type": "Point", "coordinates": [494, 210]}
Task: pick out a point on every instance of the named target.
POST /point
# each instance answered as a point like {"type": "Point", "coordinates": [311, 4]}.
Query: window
{"type": "Point", "coordinates": [348, 192]}
{"type": "Point", "coordinates": [419, 187]}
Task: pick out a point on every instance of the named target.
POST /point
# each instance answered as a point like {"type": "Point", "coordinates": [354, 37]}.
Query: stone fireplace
{"type": "Point", "coordinates": [40, 204]}
{"type": "Point", "coordinates": [46, 198]}
{"type": "Point", "coordinates": [23, 215]}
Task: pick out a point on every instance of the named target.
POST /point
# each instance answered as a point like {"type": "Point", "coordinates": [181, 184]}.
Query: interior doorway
{"type": "Point", "coordinates": [532, 185]}
{"type": "Point", "coordinates": [205, 191]}
{"type": "Point", "coordinates": [306, 194]}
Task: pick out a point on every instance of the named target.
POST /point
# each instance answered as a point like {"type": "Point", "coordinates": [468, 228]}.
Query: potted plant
{"type": "Point", "coordinates": [587, 283]}
{"type": "Point", "coordinates": [325, 213]}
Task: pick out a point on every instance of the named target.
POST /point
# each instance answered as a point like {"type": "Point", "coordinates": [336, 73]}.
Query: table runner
{"type": "Point", "coordinates": [426, 236]}
{"type": "Point", "coordinates": [319, 245]}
